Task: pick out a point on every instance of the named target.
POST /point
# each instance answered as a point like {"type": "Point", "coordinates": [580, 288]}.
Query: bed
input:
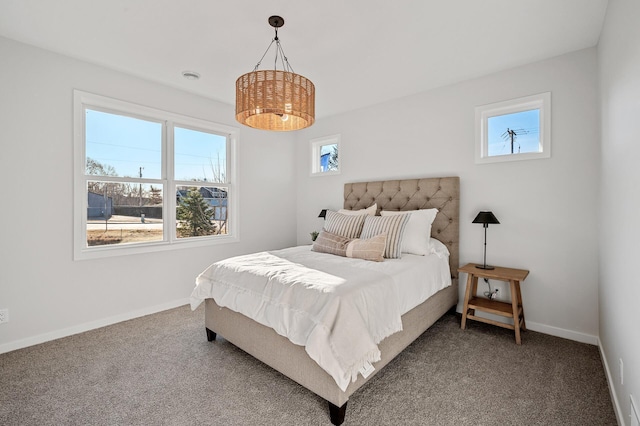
{"type": "Point", "coordinates": [293, 360]}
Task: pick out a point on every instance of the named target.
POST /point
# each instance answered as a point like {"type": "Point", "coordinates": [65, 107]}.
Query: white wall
{"type": "Point", "coordinates": [547, 208]}
{"type": "Point", "coordinates": [619, 66]}
{"type": "Point", "coordinates": [48, 294]}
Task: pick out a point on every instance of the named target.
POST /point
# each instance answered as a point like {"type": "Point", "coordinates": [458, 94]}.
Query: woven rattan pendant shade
{"type": "Point", "coordinates": [273, 99]}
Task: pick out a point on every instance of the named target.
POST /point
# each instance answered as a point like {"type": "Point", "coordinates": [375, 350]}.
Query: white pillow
{"type": "Point", "coordinates": [417, 234]}
{"type": "Point", "coordinates": [438, 248]}
{"type": "Point", "coordinates": [371, 211]}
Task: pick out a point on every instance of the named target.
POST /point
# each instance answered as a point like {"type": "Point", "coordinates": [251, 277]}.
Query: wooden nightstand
{"type": "Point", "coordinates": [514, 310]}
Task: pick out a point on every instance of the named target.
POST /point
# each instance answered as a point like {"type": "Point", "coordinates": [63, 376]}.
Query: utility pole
{"type": "Point", "coordinates": [512, 134]}
{"type": "Point", "coordinates": [106, 207]}
{"type": "Point", "coordinates": [141, 186]}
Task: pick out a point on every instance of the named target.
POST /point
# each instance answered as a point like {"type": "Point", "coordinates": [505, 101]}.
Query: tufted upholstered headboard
{"type": "Point", "coordinates": [413, 194]}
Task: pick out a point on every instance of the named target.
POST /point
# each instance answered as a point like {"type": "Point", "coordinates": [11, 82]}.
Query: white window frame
{"type": "Point", "coordinates": [316, 145]}
{"type": "Point", "coordinates": [540, 101]}
{"type": "Point", "coordinates": [82, 101]}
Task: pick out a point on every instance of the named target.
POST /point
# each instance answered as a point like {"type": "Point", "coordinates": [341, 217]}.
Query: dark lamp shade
{"type": "Point", "coordinates": [486, 218]}
{"type": "Point", "coordinates": [323, 213]}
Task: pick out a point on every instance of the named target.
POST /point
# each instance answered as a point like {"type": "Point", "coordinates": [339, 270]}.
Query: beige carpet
{"type": "Point", "coordinates": [160, 370]}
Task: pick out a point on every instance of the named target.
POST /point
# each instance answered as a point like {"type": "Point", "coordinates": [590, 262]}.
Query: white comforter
{"type": "Point", "coordinates": [338, 308]}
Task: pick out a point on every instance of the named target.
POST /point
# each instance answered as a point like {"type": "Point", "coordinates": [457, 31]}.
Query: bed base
{"type": "Point", "coordinates": [279, 353]}
{"type": "Point", "coordinates": [336, 414]}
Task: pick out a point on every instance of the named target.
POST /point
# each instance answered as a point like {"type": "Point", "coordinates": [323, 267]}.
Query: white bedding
{"type": "Point", "coordinates": [338, 308]}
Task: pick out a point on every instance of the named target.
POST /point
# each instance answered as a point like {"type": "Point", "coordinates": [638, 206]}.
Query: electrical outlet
{"type": "Point", "coordinates": [621, 372]}
{"type": "Point", "coordinates": [4, 316]}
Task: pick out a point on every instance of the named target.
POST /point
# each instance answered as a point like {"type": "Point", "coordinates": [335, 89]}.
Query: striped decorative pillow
{"type": "Point", "coordinates": [393, 226]}
{"type": "Point", "coordinates": [418, 230]}
{"type": "Point", "coordinates": [348, 226]}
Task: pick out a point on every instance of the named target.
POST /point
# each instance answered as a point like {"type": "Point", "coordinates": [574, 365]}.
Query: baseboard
{"type": "Point", "coordinates": [612, 390]}
{"type": "Point", "coordinates": [546, 329]}
{"type": "Point", "coordinates": [635, 412]}
{"type": "Point", "coordinates": [564, 333]}
{"type": "Point", "coordinates": [80, 328]}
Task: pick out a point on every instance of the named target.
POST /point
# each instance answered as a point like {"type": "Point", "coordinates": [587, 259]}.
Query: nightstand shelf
{"type": "Point", "coordinates": [513, 310]}
{"type": "Point", "coordinates": [491, 306]}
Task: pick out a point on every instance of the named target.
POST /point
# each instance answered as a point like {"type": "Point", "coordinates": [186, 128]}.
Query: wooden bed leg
{"type": "Point", "coordinates": [211, 335]}
{"type": "Point", "coordinates": [337, 413]}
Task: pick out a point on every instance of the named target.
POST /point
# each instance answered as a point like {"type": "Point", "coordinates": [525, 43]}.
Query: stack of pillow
{"type": "Point", "coordinates": [361, 234]}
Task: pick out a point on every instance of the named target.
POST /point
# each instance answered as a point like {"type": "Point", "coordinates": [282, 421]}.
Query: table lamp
{"type": "Point", "coordinates": [485, 218]}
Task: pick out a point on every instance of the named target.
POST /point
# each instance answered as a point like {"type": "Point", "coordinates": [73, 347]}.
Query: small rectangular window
{"type": "Point", "coordinates": [325, 158]}
{"type": "Point", "coordinates": [517, 129]}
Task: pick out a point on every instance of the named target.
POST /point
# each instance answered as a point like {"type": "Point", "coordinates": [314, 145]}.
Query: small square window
{"type": "Point", "coordinates": [517, 129]}
{"type": "Point", "coordinates": [325, 158]}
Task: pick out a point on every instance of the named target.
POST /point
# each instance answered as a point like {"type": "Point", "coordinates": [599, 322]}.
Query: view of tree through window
{"type": "Point", "coordinates": [329, 157]}
{"type": "Point", "coordinates": [132, 162]}
{"type": "Point", "coordinates": [201, 211]}
{"type": "Point", "coordinates": [200, 157]}
{"type": "Point", "coordinates": [121, 210]}
{"type": "Point", "coordinates": [325, 155]}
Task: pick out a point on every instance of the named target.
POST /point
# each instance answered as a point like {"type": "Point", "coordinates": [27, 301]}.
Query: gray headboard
{"type": "Point", "coordinates": [413, 194]}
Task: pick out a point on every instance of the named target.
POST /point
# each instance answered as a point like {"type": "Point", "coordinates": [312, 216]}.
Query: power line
{"type": "Point", "coordinates": [147, 149]}
{"type": "Point", "coordinates": [124, 146]}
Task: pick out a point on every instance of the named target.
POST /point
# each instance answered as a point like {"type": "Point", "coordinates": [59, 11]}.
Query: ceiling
{"type": "Point", "coordinates": [357, 52]}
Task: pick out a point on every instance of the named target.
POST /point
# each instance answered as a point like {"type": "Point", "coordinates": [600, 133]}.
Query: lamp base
{"type": "Point", "coordinates": [486, 267]}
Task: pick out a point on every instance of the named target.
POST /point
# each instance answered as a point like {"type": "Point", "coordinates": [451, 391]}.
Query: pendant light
{"type": "Point", "coordinates": [279, 100]}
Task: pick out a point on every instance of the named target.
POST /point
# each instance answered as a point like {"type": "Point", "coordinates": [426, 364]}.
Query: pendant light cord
{"type": "Point", "coordinates": [286, 66]}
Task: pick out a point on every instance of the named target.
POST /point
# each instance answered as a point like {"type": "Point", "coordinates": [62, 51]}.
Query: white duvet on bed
{"type": "Point", "coordinates": [338, 308]}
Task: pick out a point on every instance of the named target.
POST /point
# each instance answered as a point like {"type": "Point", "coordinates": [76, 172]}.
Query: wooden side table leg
{"type": "Point", "coordinates": [467, 296]}
{"type": "Point", "coordinates": [514, 306]}
{"type": "Point", "coordinates": [524, 324]}
{"type": "Point", "coordinates": [474, 290]}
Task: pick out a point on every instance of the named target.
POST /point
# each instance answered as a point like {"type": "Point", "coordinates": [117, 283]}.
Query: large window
{"type": "Point", "coordinates": [149, 180]}
{"type": "Point", "coordinates": [517, 129]}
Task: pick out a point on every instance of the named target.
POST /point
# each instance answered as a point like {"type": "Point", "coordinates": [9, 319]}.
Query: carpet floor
{"type": "Point", "coordinates": [160, 370]}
